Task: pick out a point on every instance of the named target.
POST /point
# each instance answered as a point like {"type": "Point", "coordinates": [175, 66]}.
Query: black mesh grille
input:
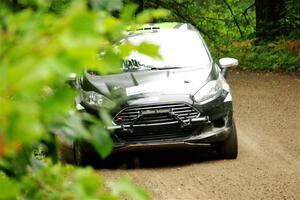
{"type": "Point", "coordinates": [152, 135]}
{"type": "Point", "coordinates": [155, 114]}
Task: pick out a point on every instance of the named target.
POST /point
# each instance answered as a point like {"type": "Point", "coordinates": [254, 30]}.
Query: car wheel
{"type": "Point", "coordinates": [80, 154]}
{"type": "Point", "coordinates": [228, 149]}
{"type": "Point", "coordinates": [65, 151]}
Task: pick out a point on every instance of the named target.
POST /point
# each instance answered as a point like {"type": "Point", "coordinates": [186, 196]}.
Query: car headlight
{"type": "Point", "coordinates": [209, 91]}
{"type": "Point", "coordinates": [91, 98]}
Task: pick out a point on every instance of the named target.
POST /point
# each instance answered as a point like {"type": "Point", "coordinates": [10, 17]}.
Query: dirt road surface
{"type": "Point", "coordinates": [267, 114]}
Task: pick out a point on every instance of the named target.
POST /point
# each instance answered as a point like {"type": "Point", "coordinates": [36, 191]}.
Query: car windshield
{"type": "Point", "coordinates": [178, 49]}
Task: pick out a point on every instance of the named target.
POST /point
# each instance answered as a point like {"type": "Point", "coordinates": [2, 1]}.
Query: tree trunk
{"type": "Point", "coordinates": [141, 5]}
{"type": "Point", "coordinates": [268, 16]}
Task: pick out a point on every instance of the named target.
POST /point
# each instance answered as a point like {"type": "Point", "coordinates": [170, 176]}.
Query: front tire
{"type": "Point", "coordinates": [65, 151]}
{"type": "Point", "coordinates": [71, 153]}
{"type": "Point", "coordinates": [228, 149]}
{"type": "Point", "coordinates": [79, 154]}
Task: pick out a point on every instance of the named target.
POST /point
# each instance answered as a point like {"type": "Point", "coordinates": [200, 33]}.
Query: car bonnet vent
{"type": "Point", "coordinates": [148, 28]}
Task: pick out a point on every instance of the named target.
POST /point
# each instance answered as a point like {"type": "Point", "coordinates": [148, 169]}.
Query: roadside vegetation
{"type": "Point", "coordinates": [42, 41]}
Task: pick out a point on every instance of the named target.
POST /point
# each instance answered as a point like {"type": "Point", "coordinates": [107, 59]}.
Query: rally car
{"type": "Point", "coordinates": [181, 99]}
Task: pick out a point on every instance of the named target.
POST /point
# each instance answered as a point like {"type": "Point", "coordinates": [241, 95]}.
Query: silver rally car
{"type": "Point", "coordinates": [181, 99]}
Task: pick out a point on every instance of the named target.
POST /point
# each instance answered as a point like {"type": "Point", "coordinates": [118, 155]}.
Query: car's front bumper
{"type": "Point", "coordinates": [204, 139]}
{"type": "Point", "coordinates": [203, 130]}
{"type": "Point", "coordinates": [205, 133]}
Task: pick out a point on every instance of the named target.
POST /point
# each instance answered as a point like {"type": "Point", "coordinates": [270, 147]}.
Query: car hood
{"type": "Point", "coordinates": [145, 84]}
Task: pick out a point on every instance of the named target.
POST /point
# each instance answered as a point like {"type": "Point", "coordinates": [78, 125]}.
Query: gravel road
{"type": "Point", "coordinates": [267, 114]}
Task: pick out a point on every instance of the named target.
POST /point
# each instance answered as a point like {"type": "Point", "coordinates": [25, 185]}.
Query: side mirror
{"type": "Point", "coordinates": [72, 80]}
{"type": "Point", "coordinates": [228, 62]}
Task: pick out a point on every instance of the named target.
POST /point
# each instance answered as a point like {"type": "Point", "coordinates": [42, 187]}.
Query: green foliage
{"type": "Point", "coordinates": [58, 6]}
{"type": "Point", "coordinates": [68, 182]}
{"type": "Point", "coordinates": [41, 42]}
{"type": "Point", "coordinates": [217, 20]}
{"type": "Point", "coordinates": [109, 5]}
{"type": "Point", "coordinates": [269, 56]}
{"type": "Point", "coordinates": [147, 48]}
{"type": "Point", "coordinates": [291, 20]}
{"type": "Point", "coordinates": [9, 188]}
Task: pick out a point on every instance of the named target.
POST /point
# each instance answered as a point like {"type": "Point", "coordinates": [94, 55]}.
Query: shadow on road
{"type": "Point", "coordinates": [153, 158]}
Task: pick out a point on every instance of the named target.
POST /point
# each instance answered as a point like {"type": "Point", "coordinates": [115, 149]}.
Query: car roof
{"type": "Point", "coordinates": [156, 27]}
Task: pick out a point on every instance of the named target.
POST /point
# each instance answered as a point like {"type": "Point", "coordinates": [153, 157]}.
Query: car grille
{"type": "Point", "coordinates": [155, 114]}
{"type": "Point", "coordinates": [153, 135]}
